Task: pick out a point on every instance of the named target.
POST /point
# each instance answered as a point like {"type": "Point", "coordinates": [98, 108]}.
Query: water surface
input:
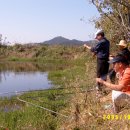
{"type": "Point", "coordinates": [22, 77]}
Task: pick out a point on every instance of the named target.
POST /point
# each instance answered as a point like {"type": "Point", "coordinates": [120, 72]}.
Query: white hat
{"type": "Point", "coordinates": [98, 32]}
{"type": "Point", "coordinates": [122, 43]}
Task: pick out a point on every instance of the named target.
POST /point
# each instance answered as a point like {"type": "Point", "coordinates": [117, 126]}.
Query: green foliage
{"type": "Point", "coordinates": [114, 19]}
{"type": "Point", "coordinates": [23, 116]}
{"type": "Point", "coordinates": [40, 52]}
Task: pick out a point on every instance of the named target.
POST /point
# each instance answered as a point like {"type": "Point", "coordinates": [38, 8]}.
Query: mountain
{"type": "Point", "coordinates": [65, 41]}
{"type": "Point", "coordinates": [56, 40]}
{"type": "Point", "coordinates": [62, 40]}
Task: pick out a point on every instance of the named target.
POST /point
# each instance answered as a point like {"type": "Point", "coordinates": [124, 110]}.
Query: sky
{"type": "Point", "coordinates": [26, 21]}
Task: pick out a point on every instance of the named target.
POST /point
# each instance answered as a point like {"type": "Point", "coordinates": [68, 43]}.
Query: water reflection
{"type": "Point", "coordinates": [30, 66]}
{"type": "Point", "coordinates": [23, 77]}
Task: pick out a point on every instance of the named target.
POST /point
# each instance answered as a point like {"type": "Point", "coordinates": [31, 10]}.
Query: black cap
{"type": "Point", "coordinates": [118, 59]}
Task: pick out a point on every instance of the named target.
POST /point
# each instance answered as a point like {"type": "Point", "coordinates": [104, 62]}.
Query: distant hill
{"type": "Point", "coordinates": [64, 41]}
{"type": "Point", "coordinates": [57, 40]}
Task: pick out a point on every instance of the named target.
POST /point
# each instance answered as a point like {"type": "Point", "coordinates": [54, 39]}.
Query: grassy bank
{"type": "Point", "coordinates": [16, 115]}
{"type": "Point", "coordinates": [72, 75]}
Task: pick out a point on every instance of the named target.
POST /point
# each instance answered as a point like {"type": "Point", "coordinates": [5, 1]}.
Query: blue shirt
{"type": "Point", "coordinates": [102, 49]}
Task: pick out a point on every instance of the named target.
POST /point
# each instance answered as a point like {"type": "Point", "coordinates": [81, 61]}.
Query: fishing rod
{"type": "Point", "coordinates": [22, 92]}
{"type": "Point", "coordinates": [13, 92]}
{"type": "Point", "coordinates": [55, 95]}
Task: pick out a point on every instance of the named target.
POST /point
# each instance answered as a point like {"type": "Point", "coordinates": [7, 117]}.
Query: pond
{"type": "Point", "coordinates": [23, 77]}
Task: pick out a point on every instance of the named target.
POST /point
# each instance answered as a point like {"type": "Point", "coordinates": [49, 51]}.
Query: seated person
{"type": "Point", "coordinates": [120, 91]}
{"type": "Point", "coordinates": [123, 46]}
{"type": "Point", "coordinates": [123, 52]}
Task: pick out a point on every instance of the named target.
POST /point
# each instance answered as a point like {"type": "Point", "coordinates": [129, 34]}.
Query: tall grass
{"type": "Point", "coordinates": [15, 115]}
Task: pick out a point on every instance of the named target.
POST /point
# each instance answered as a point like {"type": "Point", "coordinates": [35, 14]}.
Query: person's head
{"type": "Point", "coordinates": [99, 35]}
{"type": "Point", "coordinates": [122, 44]}
{"type": "Point", "coordinates": [119, 63]}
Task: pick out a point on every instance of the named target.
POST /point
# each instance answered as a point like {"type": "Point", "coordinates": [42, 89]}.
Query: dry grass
{"type": "Point", "coordinates": [86, 112]}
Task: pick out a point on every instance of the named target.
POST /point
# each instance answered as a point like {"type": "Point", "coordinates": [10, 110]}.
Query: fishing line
{"type": "Point", "coordinates": [38, 106]}
{"type": "Point", "coordinates": [44, 108]}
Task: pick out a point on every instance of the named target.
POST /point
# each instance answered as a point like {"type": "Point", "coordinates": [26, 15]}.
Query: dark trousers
{"type": "Point", "coordinates": [112, 75]}
{"type": "Point", "coordinates": [102, 70]}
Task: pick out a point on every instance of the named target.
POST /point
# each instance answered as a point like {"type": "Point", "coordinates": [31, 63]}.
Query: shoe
{"type": "Point", "coordinates": [109, 108]}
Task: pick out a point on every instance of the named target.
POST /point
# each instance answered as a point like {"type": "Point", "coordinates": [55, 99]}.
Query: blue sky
{"type": "Point", "coordinates": [40, 20]}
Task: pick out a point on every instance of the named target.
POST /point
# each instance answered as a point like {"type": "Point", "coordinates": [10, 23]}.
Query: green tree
{"type": "Point", "coordinates": [114, 18]}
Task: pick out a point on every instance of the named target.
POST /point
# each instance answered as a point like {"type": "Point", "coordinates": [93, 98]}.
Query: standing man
{"type": "Point", "coordinates": [101, 50]}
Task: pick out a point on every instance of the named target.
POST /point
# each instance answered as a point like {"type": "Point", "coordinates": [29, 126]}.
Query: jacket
{"type": "Point", "coordinates": [102, 49]}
